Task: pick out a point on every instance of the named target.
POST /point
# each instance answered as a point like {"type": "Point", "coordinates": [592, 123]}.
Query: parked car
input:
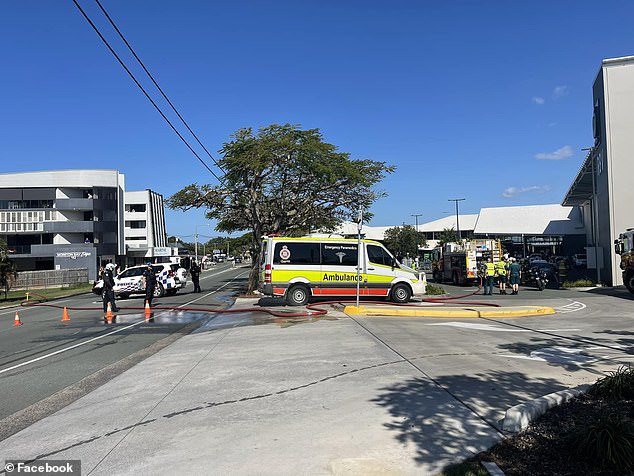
{"type": "Point", "coordinates": [580, 259]}
{"type": "Point", "coordinates": [169, 279]}
{"type": "Point", "coordinates": [535, 256]}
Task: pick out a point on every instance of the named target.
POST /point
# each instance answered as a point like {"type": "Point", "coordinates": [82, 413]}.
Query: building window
{"type": "Point", "coordinates": [135, 224]}
{"type": "Point", "coordinates": [135, 207]}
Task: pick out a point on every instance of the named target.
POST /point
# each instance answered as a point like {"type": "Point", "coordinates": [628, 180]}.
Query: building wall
{"type": "Point", "coordinates": [613, 157]}
{"type": "Point", "coordinates": [80, 225]}
{"type": "Point", "coordinates": [144, 226]}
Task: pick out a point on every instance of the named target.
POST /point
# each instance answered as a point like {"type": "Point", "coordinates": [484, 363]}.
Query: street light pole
{"type": "Point", "coordinates": [196, 240]}
{"type": "Point", "coordinates": [196, 243]}
{"type": "Point", "coordinates": [457, 215]}
{"type": "Point", "coordinates": [416, 215]}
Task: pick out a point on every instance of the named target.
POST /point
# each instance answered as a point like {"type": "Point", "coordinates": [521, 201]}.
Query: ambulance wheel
{"type": "Point", "coordinates": [297, 295]}
{"type": "Point", "coordinates": [401, 293]}
{"type": "Point", "coordinates": [159, 290]}
{"type": "Point", "coordinates": [629, 282]}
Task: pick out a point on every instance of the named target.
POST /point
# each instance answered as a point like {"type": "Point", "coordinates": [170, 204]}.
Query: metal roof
{"type": "Point", "coordinates": [580, 190]}
{"type": "Point", "coordinates": [467, 223]}
{"type": "Point", "coordinates": [530, 220]}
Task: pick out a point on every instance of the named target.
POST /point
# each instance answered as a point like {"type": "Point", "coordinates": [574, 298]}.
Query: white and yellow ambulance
{"type": "Point", "coordinates": [298, 268]}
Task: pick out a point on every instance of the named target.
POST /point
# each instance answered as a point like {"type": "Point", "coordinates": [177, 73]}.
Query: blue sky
{"type": "Point", "coordinates": [488, 101]}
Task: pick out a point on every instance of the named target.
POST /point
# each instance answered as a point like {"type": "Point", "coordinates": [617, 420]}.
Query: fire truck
{"type": "Point", "coordinates": [461, 263]}
{"type": "Point", "coordinates": [624, 246]}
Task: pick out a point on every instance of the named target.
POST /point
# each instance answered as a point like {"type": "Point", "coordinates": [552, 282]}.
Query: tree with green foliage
{"type": "Point", "coordinates": [284, 180]}
{"type": "Point", "coordinates": [448, 235]}
{"type": "Point", "coordinates": [404, 240]}
{"type": "Point", "coordinates": [8, 271]}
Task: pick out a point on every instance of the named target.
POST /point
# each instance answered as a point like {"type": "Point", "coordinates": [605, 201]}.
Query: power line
{"type": "Point", "coordinates": [94, 27]}
{"type": "Point", "coordinates": [155, 83]}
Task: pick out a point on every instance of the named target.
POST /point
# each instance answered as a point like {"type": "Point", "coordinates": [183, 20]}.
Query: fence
{"type": "Point", "coordinates": [50, 278]}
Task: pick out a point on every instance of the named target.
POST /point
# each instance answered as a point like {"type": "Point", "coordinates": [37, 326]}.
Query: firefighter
{"type": "Point", "coordinates": [149, 281]}
{"type": "Point", "coordinates": [488, 277]}
{"type": "Point", "coordinates": [500, 271]}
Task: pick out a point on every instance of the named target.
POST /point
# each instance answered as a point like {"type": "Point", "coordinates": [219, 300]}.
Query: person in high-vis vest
{"type": "Point", "coordinates": [488, 277]}
{"type": "Point", "coordinates": [500, 270]}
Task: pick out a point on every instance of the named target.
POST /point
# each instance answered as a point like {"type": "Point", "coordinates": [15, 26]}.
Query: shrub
{"type": "Point", "coordinates": [434, 290]}
{"type": "Point", "coordinates": [617, 385]}
{"type": "Point", "coordinates": [609, 441]}
{"type": "Point", "coordinates": [579, 283]}
{"type": "Point", "coordinates": [464, 469]}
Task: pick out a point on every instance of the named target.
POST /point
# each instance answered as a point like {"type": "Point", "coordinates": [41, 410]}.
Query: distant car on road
{"type": "Point", "coordinates": [238, 259]}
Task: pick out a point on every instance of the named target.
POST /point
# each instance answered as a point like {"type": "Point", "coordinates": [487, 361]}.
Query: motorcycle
{"type": "Point", "coordinates": [539, 277]}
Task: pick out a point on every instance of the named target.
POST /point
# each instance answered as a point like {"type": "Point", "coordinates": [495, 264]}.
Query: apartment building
{"type": "Point", "coordinates": [66, 219]}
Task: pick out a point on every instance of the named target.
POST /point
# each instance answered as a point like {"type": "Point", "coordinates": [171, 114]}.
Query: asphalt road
{"type": "Point", "coordinates": [46, 363]}
{"type": "Point", "coordinates": [247, 393]}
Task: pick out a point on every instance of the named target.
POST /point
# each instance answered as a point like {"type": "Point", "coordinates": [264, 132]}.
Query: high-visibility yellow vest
{"type": "Point", "coordinates": [490, 269]}
{"type": "Point", "coordinates": [500, 267]}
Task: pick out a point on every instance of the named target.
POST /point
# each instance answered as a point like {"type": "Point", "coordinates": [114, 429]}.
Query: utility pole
{"type": "Point", "coordinates": [457, 215]}
{"type": "Point", "coordinates": [416, 215]}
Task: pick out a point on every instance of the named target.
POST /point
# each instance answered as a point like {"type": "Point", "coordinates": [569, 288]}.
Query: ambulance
{"type": "Point", "coordinates": [300, 268]}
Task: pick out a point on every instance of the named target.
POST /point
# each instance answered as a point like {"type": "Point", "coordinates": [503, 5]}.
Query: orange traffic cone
{"type": "Point", "coordinates": [17, 322]}
{"type": "Point", "coordinates": [148, 311]}
{"type": "Point", "coordinates": [65, 317]}
{"type": "Point", "coordinates": [109, 314]}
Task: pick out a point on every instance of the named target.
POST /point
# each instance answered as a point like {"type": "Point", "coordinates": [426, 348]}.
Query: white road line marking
{"type": "Point", "coordinates": [572, 307]}
{"type": "Point", "coordinates": [42, 357]}
{"type": "Point", "coordinates": [69, 348]}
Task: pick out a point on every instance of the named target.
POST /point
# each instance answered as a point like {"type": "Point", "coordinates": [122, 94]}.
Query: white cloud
{"type": "Point", "coordinates": [512, 191]}
{"type": "Point", "coordinates": [560, 91]}
{"type": "Point", "coordinates": [538, 100]}
{"type": "Point", "coordinates": [560, 154]}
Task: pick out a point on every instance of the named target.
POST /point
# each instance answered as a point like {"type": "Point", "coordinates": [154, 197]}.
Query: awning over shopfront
{"type": "Point", "coordinates": [581, 190]}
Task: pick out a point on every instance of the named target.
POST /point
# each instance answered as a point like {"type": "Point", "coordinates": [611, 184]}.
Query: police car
{"type": "Point", "coordinates": [169, 279]}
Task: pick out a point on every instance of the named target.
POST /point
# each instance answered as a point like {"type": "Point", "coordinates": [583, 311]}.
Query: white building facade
{"type": "Point", "coordinates": [69, 219]}
{"type": "Point", "coordinates": [145, 233]}
{"type": "Point", "coordinates": [603, 186]}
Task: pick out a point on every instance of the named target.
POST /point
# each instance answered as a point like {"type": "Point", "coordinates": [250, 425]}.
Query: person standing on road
{"type": "Point", "coordinates": [515, 275]}
{"type": "Point", "coordinates": [108, 288]}
{"type": "Point", "coordinates": [194, 270]}
{"type": "Point", "coordinates": [488, 277]}
{"type": "Point", "coordinates": [149, 281]}
{"type": "Point", "coordinates": [500, 270]}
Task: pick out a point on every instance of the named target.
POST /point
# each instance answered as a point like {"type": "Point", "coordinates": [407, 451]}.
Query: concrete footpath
{"type": "Point", "coordinates": [311, 396]}
{"type": "Point", "coordinates": [250, 393]}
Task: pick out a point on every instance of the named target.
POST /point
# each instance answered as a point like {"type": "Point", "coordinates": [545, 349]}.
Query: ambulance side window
{"type": "Point", "coordinates": [378, 255]}
{"type": "Point", "coordinates": [338, 254]}
{"type": "Point", "coordinates": [296, 253]}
